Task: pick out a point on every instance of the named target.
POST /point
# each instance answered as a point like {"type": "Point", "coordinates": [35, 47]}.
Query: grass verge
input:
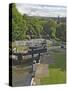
{"type": "Point", "coordinates": [57, 71]}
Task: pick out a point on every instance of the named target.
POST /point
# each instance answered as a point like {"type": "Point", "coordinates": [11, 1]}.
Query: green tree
{"type": "Point", "coordinates": [61, 31]}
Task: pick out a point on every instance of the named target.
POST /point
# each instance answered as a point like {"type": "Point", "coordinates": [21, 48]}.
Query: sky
{"type": "Point", "coordinates": [41, 10]}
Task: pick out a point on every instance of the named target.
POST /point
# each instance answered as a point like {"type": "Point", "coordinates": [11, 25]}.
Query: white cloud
{"type": "Point", "coordinates": [41, 10]}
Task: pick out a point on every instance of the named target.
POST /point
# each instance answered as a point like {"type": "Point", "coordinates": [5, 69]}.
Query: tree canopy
{"type": "Point", "coordinates": [27, 27]}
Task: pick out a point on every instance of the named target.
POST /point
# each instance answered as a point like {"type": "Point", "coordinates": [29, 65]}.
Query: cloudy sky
{"type": "Point", "coordinates": [41, 10]}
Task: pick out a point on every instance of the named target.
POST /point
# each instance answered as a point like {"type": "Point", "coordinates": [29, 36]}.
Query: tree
{"type": "Point", "coordinates": [61, 31]}
{"type": "Point", "coordinates": [50, 28]}
{"type": "Point", "coordinates": [19, 25]}
{"type": "Point", "coordinates": [28, 27]}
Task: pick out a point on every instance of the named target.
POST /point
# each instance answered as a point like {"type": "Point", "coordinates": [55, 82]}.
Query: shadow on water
{"type": "Point", "coordinates": [24, 62]}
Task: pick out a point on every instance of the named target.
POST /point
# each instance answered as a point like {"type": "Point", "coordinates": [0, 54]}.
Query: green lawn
{"type": "Point", "coordinates": [57, 71]}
